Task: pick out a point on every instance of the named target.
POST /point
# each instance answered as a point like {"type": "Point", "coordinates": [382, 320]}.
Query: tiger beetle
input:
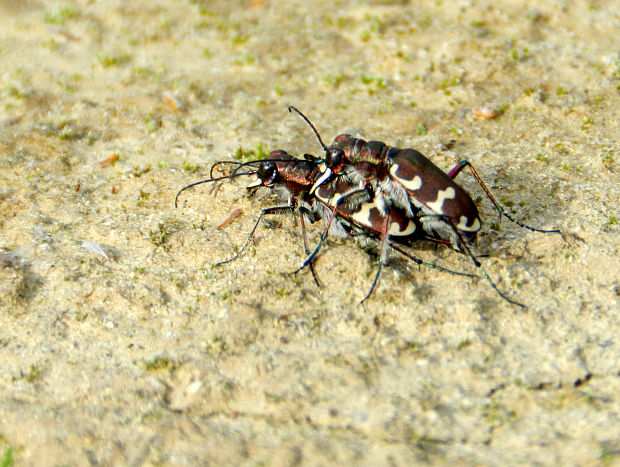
{"type": "Point", "coordinates": [293, 177]}
{"type": "Point", "coordinates": [353, 210]}
{"type": "Point", "coordinates": [408, 180]}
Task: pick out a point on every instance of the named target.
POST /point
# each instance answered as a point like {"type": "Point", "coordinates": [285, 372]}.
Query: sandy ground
{"type": "Point", "coordinates": [121, 344]}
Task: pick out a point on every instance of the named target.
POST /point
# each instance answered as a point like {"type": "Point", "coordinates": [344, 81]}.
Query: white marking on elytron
{"type": "Point", "coordinates": [413, 185]}
{"type": "Point", "coordinates": [442, 195]}
{"type": "Point", "coordinates": [362, 218]}
{"type": "Point", "coordinates": [463, 221]}
{"type": "Point", "coordinates": [336, 198]}
{"type": "Point", "coordinates": [397, 232]}
{"type": "Point", "coordinates": [333, 199]}
{"type": "Point", "coordinates": [320, 180]}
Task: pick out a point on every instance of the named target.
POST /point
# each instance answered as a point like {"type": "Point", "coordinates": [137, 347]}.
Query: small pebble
{"type": "Point", "coordinates": [484, 112]}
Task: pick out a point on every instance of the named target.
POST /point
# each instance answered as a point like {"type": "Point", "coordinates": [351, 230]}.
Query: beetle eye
{"type": "Point", "coordinates": [334, 157]}
{"type": "Point", "coordinates": [267, 172]}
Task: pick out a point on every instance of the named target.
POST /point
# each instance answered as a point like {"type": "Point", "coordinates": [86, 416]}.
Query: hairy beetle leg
{"type": "Point", "coordinates": [463, 244]}
{"type": "Point", "coordinates": [502, 212]}
{"type": "Point", "coordinates": [328, 224]}
{"type": "Point", "coordinates": [302, 214]}
{"type": "Point", "coordinates": [264, 212]}
{"type": "Point", "coordinates": [383, 249]}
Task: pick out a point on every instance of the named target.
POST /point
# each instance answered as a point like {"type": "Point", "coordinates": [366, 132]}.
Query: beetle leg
{"type": "Point", "coordinates": [467, 250]}
{"type": "Point", "coordinates": [264, 212]}
{"type": "Point", "coordinates": [457, 169]}
{"type": "Point", "coordinates": [502, 212]}
{"type": "Point", "coordinates": [383, 248]}
{"type": "Point", "coordinates": [429, 265]}
{"type": "Point", "coordinates": [328, 224]}
{"type": "Point", "coordinates": [302, 213]}
{"type": "Point", "coordinates": [383, 253]}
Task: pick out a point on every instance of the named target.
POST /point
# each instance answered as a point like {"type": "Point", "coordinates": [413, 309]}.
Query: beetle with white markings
{"type": "Point", "coordinates": [346, 209]}
{"type": "Point", "coordinates": [408, 180]}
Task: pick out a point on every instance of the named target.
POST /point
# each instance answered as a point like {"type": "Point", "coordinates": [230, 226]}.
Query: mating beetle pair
{"type": "Point", "coordinates": [370, 189]}
{"type": "Point", "coordinates": [406, 179]}
{"type": "Point", "coordinates": [358, 216]}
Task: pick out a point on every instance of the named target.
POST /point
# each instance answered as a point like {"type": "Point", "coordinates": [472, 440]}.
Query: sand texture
{"type": "Point", "coordinates": [122, 344]}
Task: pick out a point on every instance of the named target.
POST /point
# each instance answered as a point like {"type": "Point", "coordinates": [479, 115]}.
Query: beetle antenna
{"type": "Point", "coordinates": [218, 163]}
{"type": "Point", "coordinates": [291, 108]}
{"type": "Point", "coordinates": [208, 180]}
{"type": "Point", "coordinates": [233, 174]}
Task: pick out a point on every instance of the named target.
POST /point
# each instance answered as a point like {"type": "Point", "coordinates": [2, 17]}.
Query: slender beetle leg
{"type": "Point", "coordinates": [502, 212]}
{"type": "Point", "coordinates": [264, 212]}
{"type": "Point", "coordinates": [467, 250]}
{"type": "Point", "coordinates": [302, 211]}
{"type": "Point", "coordinates": [328, 224]}
{"type": "Point", "coordinates": [383, 249]}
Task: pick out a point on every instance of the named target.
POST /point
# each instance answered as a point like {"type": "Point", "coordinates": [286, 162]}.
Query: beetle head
{"type": "Point", "coordinates": [267, 174]}
{"type": "Point", "coordinates": [334, 159]}
{"type": "Point", "coordinates": [267, 171]}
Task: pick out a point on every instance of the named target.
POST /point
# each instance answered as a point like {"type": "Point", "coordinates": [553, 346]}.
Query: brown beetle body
{"type": "Point", "coordinates": [408, 180]}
